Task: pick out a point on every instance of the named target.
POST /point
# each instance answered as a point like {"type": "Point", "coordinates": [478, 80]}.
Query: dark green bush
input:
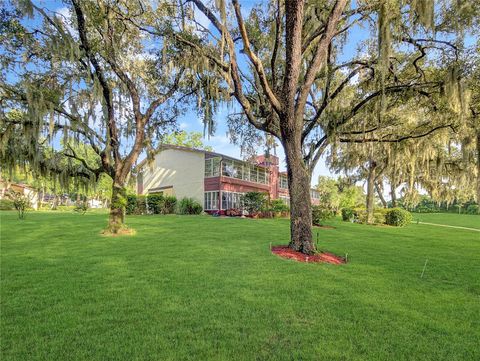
{"type": "Point", "coordinates": [141, 205]}
{"type": "Point", "coordinates": [379, 215]}
{"type": "Point", "coordinates": [360, 214]}
{"type": "Point", "coordinates": [152, 203]}
{"type": "Point", "coordinates": [6, 205]}
{"type": "Point", "coordinates": [472, 209]}
{"type": "Point", "coordinates": [189, 206]}
{"type": "Point", "coordinates": [397, 217]}
{"type": "Point", "coordinates": [169, 204]}
{"type": "Point", "coordinates": [320, 214]}
{"type": "Point", "coordinates": [136, 204]}
{"type": "Point", "coordinates": [278, 205]}
{"type": "Point", "coordinates": [254, 202]}
{"type": "Point", "coordinates": [348, 214]}
{"type": "Point", "coordinates": [131, 206]}
{"type": "Point", "coordinates": [155, 203]}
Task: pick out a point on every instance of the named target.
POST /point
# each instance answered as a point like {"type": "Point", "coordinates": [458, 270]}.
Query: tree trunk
{"type": "Point", "coordinates": [370, 191]}
{"type": "Point", "coordinates": [300, 202]}
{"type": "Point", "coordinates": [116, 220]}
{"type": "Point", "coordinates": [380, 194]}
{"type": "Point", "coordinates": [478, 167]}
{"type": "Point", "coordinates": [393, 194]}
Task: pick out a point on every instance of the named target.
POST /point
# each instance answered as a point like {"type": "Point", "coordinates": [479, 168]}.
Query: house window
{"type": "Point", "coordinates": [228, 170]}
{"type": "Point", "coordinates": [212, 167]}
{"type": "Point", "coordinates": [211, 201]}
{"type": "Point", "coordinates": [283, 182]}
{"type": "Point", "coordinates": [231, 200]}
{"type": "Point", "coordinates": [244, 171]}
{"type": "Point", "coordinates": [314, 194]}
{"type": "Point", "coordinates": [262, 176]}
{"type": "Point", "coordinates": [253, 174]}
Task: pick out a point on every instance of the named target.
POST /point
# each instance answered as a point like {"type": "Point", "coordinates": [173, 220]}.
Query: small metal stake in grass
{"type": "Point", "coordinates": [424, 267]}
{"type": "Point", "coordinates": [346, 257]}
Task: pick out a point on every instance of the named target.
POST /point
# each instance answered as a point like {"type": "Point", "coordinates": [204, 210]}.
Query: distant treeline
{"type": "Point", "coordinates": [427, 205]}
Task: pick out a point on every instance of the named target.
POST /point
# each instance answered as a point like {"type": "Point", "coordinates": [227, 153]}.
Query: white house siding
{"type": "Point", "coordinates": [182, 169]}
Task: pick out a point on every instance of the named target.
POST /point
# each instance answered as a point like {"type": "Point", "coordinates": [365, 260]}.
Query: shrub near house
{"type": "Point", "coordinates": [189, 206]}
{"type": "Point", "coordinates": [279, 208]}
{"type": "Point", "coordinates": [254, 202]}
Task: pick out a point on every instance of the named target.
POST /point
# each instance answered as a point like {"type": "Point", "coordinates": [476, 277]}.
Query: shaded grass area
{"type": "Point", "coordinates": [205, 288]}
{"type": "Point", "coordinates": [450, 219]}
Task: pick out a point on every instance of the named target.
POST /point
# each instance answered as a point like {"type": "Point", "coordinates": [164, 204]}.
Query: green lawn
{"type": "Point", "coordinates": [451, 219]}
{"type": "Point", "coordinates": [204, 288]}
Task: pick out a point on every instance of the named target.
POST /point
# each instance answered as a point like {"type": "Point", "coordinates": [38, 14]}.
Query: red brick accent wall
{"type": "Point", "coordinates": [238, 185]}
{"type": "Point", "coordinates": [212, 184]}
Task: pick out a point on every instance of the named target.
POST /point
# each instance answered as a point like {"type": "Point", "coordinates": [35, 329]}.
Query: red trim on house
{"type": "Point", "coordinates": [211, 184]}
{"type": "Point", "coordinates": [239, 185]}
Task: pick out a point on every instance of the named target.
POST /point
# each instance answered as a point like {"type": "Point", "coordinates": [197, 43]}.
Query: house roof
{"type": "Point", "coordinates": [188, 149]}
{"type": "Point", "coordinates": [18, 185]}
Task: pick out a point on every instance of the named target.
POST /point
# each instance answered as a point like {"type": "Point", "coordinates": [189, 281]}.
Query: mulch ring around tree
{"type": "Point", "coordinates": [324, 257]}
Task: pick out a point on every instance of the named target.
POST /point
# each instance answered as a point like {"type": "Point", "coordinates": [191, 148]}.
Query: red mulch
{"type": "Point", "coordinates": [287, 252]}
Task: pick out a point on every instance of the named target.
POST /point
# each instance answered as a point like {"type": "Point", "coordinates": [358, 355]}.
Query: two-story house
{"type": "Point", "coordinates": [215, 180]}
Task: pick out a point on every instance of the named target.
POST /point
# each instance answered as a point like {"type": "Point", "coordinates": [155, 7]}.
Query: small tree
{"type": "Point", "coordinates": [20, 201]}
{"type": "Point", "coordinates": [81, 206]}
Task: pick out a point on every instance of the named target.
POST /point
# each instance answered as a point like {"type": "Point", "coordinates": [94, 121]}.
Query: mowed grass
{"type": "Point", "coordinates": [204, 288]}
{"type": "Point", "coordinates": [451, 219]}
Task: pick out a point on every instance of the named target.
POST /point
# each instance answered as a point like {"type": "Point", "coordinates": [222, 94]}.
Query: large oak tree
{"type": "Point", "coordinates": [285, 64]}
{"type": "Point", "coordinates": [87, 75]}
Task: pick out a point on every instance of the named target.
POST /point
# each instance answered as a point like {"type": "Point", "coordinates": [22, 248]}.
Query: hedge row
{"type": "Point", "coordinates": [160, 204]}
{"type": "Point", "coordinates": [392, 216]}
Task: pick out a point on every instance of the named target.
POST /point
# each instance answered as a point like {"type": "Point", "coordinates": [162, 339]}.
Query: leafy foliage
{"type": "Point", "coordinates": [154, 203]}
{"type": "Point", "coordinates": [348, 214]}
{"type": "Point", "coordinates": [160, 204]}
{"type": "Point", "coordinates": [473, 209]}
{"type": "Point", "coordinates": [186, 139]}
{"type": "Point", "coordinates": [254, 202]}
{"type": "Point", "coordinates": [279, 206]}
{"type": "Point", "coordinates": [398, 217]}
{"type": "Point", "coordinates": [81, 206]}
{"type": "Point", "coordinates": [189, 206]}
{"type": "Point", "coordinates": [320, 214]}
{"type": "Point", "coordinates": [136, 204]}
{"type": "Point", "coordinates": [6, 205]}
{"type": "Point", "coordinates": [21, 202]}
